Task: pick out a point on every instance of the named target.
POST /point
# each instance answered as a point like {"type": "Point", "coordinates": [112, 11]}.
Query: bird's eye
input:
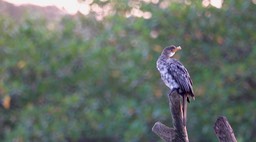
{"type": "Point", "coordinates": [171, 49]}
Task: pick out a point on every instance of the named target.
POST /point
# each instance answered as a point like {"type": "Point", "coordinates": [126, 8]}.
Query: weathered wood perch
{"type": "Point", "coordinates": [179, 132]}
{"type": "Point", "coordinates": [223, 130]}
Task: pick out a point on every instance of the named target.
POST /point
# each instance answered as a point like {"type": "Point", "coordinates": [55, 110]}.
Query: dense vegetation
{"type": "Point", "coordinates": [88, 80]}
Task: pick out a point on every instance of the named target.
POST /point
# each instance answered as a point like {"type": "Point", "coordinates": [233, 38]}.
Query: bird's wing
{"type": "Point", "coordinates": [181, 76]}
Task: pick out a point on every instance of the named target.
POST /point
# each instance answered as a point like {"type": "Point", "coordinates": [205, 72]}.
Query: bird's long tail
{"type": "Point", "coordinates": [184, 109]}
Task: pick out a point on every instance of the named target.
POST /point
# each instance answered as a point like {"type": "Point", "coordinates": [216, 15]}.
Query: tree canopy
{"type": "Point", "coordinates": [87, 78]}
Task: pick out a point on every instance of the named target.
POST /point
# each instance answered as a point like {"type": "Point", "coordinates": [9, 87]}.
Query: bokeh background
{"type": "Point", "coordinates": [89, 75]}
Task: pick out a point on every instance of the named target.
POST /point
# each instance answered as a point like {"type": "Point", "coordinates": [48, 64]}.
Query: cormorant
{"type": "Point", "coordinates": [175, 76]}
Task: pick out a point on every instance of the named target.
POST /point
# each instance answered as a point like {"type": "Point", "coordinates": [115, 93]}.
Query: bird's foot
{"type": "Point", "coordinates": [173, 90]}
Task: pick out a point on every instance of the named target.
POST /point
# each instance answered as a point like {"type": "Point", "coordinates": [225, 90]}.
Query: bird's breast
{"type": "Point", "coordinates": [166, 76]}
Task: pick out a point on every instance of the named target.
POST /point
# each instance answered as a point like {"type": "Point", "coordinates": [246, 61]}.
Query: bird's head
{"type": "Point", "coordinates": [170, 50]}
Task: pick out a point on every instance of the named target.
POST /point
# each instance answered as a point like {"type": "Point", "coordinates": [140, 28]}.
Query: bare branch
{"type": "Point", "coordinates": [223, 130]}
{"type": "Point", "coordinates": [163, 131]}
{"type": "Point", "coordinates": [179, 132]}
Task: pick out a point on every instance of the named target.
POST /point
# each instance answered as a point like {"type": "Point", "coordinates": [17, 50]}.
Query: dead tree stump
{"type": "Point", "coordinates": [179, 132]}
{"type": "Point", "coordinates": [223, 130]}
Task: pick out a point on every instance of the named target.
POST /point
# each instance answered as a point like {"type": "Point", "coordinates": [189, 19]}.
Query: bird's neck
{"type": "Point", "coordinates": [166, 57]}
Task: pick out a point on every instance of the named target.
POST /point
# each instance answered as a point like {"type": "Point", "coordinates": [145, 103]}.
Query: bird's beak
{"type": "Point", "coordinates": [177, 48]}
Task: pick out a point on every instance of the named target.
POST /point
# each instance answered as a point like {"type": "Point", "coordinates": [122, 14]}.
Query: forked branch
{"type": "Point", "coordinates": [179, 132]}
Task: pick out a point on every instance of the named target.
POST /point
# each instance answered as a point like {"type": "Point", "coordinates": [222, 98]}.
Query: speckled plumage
{"type": "Point", "coordinates": [175, 76]}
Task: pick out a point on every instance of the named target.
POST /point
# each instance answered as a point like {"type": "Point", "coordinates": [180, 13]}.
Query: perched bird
{"type": "Point", "coordinates": [175, 76]}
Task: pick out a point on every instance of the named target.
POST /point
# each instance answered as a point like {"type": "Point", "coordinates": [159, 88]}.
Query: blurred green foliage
{"type": "Point", "coordinates": [89, 80]}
